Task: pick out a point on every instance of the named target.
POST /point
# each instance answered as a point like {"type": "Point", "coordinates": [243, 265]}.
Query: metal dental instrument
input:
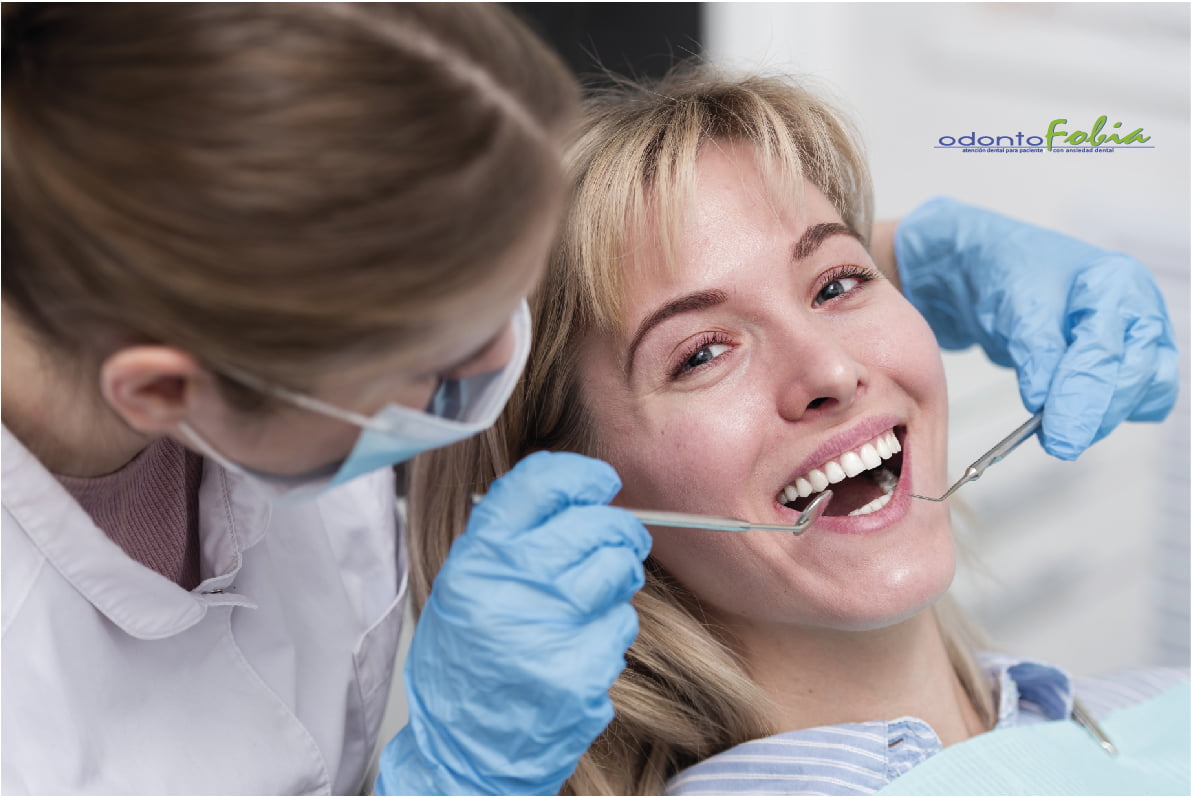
{"type": "Point", "coordinates": [994, 455]}
{"type": "Point", "coordinates": [1084, 718]}
{"type": "Point", "coordinates": [693, 521]}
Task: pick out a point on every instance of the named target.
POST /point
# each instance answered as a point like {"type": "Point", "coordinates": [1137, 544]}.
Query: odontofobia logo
{"type": "Point", "coordinates": [1060, 136]}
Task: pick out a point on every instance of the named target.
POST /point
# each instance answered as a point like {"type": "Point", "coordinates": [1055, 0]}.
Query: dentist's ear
{"type": "Point", "coordinates": [153, 388]}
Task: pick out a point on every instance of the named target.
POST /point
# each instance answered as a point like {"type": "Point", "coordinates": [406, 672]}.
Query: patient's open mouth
{"type": "Point", "coordinates": [863, 480]}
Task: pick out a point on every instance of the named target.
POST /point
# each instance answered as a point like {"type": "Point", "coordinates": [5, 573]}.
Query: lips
{"type": "Point", "coordinates": [873, 459]}
{"type": "Point", "coordinates": [867, 471]}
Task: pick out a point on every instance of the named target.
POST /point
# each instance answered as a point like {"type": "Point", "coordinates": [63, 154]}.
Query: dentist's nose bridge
{"type": "Point", "coordinates": [813, 369]}
{"type": "Point", "coordinates": [493, 356]}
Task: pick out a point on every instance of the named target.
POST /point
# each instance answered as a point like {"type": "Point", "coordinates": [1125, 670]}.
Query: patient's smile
{"type": "Point", "coordinates": [864, 478]}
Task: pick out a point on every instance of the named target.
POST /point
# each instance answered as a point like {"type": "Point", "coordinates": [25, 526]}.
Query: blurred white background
{"type": "Point", "coordinates": [1084, 564]}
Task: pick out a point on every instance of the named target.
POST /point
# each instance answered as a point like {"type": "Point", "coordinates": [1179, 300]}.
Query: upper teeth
{"type": "Point", "coordinates": [848, 464]}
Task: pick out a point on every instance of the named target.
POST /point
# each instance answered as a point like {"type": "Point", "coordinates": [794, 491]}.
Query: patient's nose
{"type": "Point", "coordinates": [817, 376]}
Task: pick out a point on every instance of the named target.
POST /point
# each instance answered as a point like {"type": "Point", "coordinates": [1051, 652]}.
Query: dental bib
{"type": "Point", "coordinates": [1060, 757]}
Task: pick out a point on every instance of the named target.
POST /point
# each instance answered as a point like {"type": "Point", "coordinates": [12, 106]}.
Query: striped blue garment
{"type": "Point", "coordinates": [861, 758]}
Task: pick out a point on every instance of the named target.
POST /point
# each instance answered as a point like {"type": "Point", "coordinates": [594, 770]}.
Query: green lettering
{"type": "Point", "coordinates": [1078, 137]}
{"type": "Point", "coordinates": [1135, 136]}
{"type": "Point", "coordinates": [1052, 133]}
{"type": "Point", "coordinates": [1096, 129]}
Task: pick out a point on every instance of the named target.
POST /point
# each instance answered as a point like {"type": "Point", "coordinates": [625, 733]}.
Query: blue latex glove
{"type": "Point", "coordinates": [525, 630]}
{"type": "Point", "coordinates": [1085, 328]}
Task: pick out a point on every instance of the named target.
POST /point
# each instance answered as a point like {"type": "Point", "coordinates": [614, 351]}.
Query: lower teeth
{"type": "Point", "coordinates": [873, 506]}
{"type": "Point", "coordinates": [886, 480]}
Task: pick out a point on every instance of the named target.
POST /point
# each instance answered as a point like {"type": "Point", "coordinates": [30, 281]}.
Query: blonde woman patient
{"type": "Point", "coordinates": [713, 325]}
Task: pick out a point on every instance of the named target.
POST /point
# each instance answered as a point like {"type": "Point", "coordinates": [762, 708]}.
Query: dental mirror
{"type": "Point", "coordinates": [809, 516]}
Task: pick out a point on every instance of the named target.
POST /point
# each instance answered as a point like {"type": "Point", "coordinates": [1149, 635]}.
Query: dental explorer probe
{"type": "Point", "coordinates": [694, 521]}
{"type": "Point", "coordinates": [994, 455]}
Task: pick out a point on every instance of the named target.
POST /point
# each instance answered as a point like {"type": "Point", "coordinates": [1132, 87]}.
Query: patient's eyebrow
{"type": "Point", "coordinates": [816, 234]}
{"type": "Point", "coordinates": [688, 303]}
{"type": "Point", "coordinates": [811, 240]}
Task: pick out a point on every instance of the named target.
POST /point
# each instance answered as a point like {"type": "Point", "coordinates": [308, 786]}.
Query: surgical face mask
{"type": "Point", "coordinates": [459, 409]}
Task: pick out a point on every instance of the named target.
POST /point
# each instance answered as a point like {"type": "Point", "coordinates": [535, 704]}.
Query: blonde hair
{"type": "Point", "coordinates": [684, 695]}
{"type": "Point", "coordinates": [268, 186]}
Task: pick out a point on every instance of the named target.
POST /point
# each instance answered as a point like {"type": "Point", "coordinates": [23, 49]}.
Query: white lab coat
{"type": "Point", "coordinates": [270, 677]}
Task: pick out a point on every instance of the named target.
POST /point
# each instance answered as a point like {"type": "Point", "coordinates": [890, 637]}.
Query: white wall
{"type": "Point", "coordinates": [1085, 564]}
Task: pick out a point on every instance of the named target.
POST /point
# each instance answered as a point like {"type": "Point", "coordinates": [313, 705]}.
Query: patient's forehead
{"type": "Point", "coordinates": [658, 233]}
{"type": "Point", "coordinates": [683, 221]}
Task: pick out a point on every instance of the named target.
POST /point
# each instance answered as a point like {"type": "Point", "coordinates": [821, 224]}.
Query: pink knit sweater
{"type": "Point", "coordinates": [149, 508]}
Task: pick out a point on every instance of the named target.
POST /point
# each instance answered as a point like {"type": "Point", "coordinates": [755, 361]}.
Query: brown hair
{"type": "Point", "coordinates": [685, 694]}
{"type": "Point", "coordinates": [267, 186]}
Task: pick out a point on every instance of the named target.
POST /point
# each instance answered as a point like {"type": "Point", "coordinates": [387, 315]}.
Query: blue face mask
{"type": "Point", "coordinates": [458, 410]}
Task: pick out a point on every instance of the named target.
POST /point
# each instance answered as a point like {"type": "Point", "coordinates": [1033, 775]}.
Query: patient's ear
{"type": "Point", "coordinates": [153, 388]}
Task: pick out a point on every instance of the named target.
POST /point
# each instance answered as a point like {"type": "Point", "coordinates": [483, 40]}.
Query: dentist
{"type": "Point", "coordinates": [254, 255]}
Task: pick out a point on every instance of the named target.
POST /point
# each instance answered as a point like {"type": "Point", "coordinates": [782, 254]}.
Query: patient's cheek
{"type": "Point", "coordinates": [913, 353]}
{"type": "Point", "coordinates": [703, 454]}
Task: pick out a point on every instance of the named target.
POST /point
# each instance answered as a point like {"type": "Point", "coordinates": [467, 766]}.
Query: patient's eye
{"type": "Point", "coordinates": [841, 280]}
{"type": "Point", "coordinates": [706, 348]}
{"type": "Point", "coordinates": [704, 355]}
{"type": "Point", "coordinates": [836, 288]}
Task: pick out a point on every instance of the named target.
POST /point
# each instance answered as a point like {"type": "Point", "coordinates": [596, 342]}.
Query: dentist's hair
{"type": "Point", "coordinates": [268, 186]}
{"type": "Point", "coordinates": [685, 694]}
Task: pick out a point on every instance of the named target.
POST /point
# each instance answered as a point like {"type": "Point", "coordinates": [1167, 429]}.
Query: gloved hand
{"type": "Point", "coordinates": [525, 630]}
{"type": "Point", "coordinates": [1086, 329]}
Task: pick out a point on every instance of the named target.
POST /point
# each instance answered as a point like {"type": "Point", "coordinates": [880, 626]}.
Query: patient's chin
{"type": "Point", "coordinates": [905, 596]}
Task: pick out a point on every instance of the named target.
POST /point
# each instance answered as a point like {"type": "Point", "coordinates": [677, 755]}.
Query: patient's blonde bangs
{"type": "Point", "coordinates": [635, 171]}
